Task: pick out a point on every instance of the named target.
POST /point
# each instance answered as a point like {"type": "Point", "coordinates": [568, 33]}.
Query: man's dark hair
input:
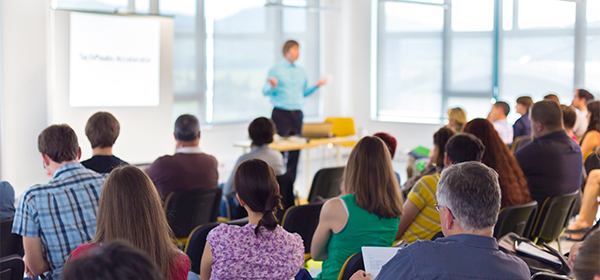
{"type": "Point", "coordinates": [102, 129]}
{"type": "Point", "coordinates": [114, 260]}
{"type": "Point", "coordinates": [525, 101]}
{"type": "Point", "coordinates": [289, 44]}
{"type": "Point", "coordinates": [548, 113]}
{"type": "Point", "coordinates": [464, 147]}
{"type": "Point", "coordinates": [585, 94]}
{"type": "Point", "coordinates": [569, 116]}
{"type": "Point", "coordinates": [261, 131]}
{"type": "Point", "coordinates": [504, 106]}
{"type": "Point", "coordinates": [552, 97]}
{"type": "Point", "coordinates": [187, 128]}
{"type": "Point", "coordinates": [59, 143]}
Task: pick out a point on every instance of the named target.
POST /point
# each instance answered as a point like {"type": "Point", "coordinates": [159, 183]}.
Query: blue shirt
{"type": "Point", "coordinates": [292, 86]}
{"type": "Point", "coordinates": [7, 201]}
{"type": "Point", "coordinates": [61, 212]}
{"type": "Point", "coordinates": [273, 158]}
{"type": "Point", "coordinates": [461, 256]}
{"type": "Point", "coordinates": [522, 127]}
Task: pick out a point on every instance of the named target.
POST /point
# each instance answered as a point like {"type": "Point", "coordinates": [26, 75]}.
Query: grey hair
{"type": "Point", "coordinates": [472, 193]}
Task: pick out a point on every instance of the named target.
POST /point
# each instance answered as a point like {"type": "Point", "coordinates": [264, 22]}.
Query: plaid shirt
{"type": "Point", "coordinates": [61, 212]}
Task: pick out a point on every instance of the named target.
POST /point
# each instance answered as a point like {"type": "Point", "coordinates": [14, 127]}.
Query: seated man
{"type": "Point", "coordinates": [189, 168]}
{"type": "Point", "coordinates": [497, 117]}
{"type": "Point", "coordinates": [102, 129]}
{"type": "Point", "coordinates": [552, 162]}
{"type": "Point", "coordinates": [420, 220]}
{"type": "Point", "coordinates": [56, 217]}
{"type": "Point", "coordinates": [7, 201]}
{"type": "Point", "coordinates": [468, 202]}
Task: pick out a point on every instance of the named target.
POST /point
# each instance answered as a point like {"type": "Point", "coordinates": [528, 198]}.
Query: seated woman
{"type": "Point", "coordinates": [261, 249]}
{"type": "Point", "coordinates": [513, 184]}
{"type": "Point", "coordinates": [367, 216]}
{"type": "Point", "coordinates": [591, 138]}
{"type": "Point", "coordinates": [130, 209]}
{"type": "Point", "coordinates": [569, 118]}
{"type": "Point", "coordinates": [457, 117]}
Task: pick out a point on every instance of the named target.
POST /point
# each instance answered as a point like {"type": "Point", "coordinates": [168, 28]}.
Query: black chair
{"type": "Point", "coordinates": [286, 190]}
{"type": "Point", "coordinates": [553, 218]}
{"type": "Point", "coordinates": [10, 243]}
{"type": "Point", "coordinates": [549, 276]}
{"type": "Point", "coordinates": [303, 220]}
{"type": "Point", "coordinates": [326, 183]}
{"type": "Point", "coordinates": [12, 268]}
{"type": "Point", "coordinates": [515, 219]}
{"type": "Point", "coordinates": [195, 245]}
{"type": "Point", "coordinates": [188, 209]}
{"type": "Point", "coordinates": [353, 264]}
{"type": "Point", "coordinates": [437, 235]}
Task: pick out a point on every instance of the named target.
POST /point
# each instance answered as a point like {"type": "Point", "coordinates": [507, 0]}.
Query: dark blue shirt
{"type": "Point", "coordinates": [461, 256]}
{"type": "Point", "coordinates": [552, 165]}
{"type": "Point", "coordinates": [522, 127]}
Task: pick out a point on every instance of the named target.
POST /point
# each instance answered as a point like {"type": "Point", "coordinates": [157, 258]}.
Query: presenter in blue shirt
{"type": "Point", "coordinates": [287, 85]}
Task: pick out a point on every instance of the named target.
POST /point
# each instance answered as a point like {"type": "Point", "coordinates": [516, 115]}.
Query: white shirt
{"type": "Point", "coordinates": [505, 131]}
{"type": "Point", "coordinates": [581, 123]}
{"type": "Point", "coordinates": [188, 150]}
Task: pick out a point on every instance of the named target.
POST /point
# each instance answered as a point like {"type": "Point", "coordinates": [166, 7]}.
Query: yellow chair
{"type": "Point", "coordinates": [343, 127]}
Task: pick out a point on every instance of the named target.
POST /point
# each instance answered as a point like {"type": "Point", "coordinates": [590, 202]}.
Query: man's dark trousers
{"type": "Point", "coordinates": [289, 123]}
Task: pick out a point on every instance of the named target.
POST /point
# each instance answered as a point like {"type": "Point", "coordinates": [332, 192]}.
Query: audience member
{"type": "Point", "coordinates": [391, 143]}
{"type": "Point", "coordinates": [468, 202]}
{"type": "Point", "coordinates": [591, 138]}
{"type": "Point", "coordinates": [261, 249]}
{"type": "Point", "coordinates": [497, 117]}
{"type": "Point", "coordinates": [569, 118]}
{"type": "Point", "coordinates": [586, 263]}
{"type": "Point", "coordinates": [102, 129]}
{"type": "Point", "coordinates": [436, 161]}
{"type": "Point", "coordinates": [497, 156]}
{"type": "Point", "coordinates": [7, 201]}
{"type": "Point", "coordinates": [189, 168]}
{"type": "Point", "coordinates": [552, 97]}
{"type": "Point", "coordinates": [580, 100]}
{"type": "Point", "coordinates": [56, 217]}
{"type": "Point", "coordinates": [457, 117]}
{"type": "Point", "coordinates": [420, 220]}
{"type": "Point", "coordinates": [130, 209]}
{"type": "Point", "coordinates": [522, 126]}
{"type": "Point", "coordinates": [261, 131]}
{"type": "Point", "coordinates": [552, 163]}
{"type": "Point", "coordinates": [589, 205]}
{"type": "Point", "coordinates": [367, 216]}
{"type": "Point", "coordinates": [115, 260]}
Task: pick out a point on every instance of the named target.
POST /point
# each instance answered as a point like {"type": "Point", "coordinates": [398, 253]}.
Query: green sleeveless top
{"type": "Point", "coordinates": [362, 229]}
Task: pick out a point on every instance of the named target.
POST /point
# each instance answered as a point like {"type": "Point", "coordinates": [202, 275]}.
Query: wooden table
{"type": "Point", "coordinates": [284, 145]}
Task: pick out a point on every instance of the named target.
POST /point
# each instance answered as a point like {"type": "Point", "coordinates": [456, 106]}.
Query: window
{"type": "Point", "coordinates": [93, 5]}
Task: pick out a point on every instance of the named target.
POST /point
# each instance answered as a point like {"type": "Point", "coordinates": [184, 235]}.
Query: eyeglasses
{"type": "Point", "coordinates": [437, 207]}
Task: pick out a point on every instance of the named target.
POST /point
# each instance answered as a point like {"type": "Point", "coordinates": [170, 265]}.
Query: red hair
{"type": "Point", "coordinates": [389, 140]}
{"type": "Point", "coordinates": [497, 156]}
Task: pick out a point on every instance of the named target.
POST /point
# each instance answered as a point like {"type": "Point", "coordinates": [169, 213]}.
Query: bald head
{"type": "Point", "coordinates": [546, 117]}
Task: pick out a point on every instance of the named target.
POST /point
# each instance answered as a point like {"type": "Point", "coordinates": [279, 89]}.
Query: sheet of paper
{"type": "Point", "coordinates": [375, 257]}
{"type": "Point", "coordinates": [537, 252]}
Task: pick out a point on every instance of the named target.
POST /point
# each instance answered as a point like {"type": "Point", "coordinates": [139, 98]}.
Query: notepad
{"type": "Point", "coordinates": [375, 257]}
{"type": "Point", "coordinates": [537, 252]}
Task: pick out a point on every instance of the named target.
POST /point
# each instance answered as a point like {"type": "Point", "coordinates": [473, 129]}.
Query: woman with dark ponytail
{"type": "Point", "coordinates": [261, 249]}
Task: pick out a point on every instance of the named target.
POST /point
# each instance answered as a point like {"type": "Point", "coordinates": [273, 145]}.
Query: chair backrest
{"type": "Point", "coordinates": [326, 183]}
{"type": "Point", "coordinates": [342, 126]}
{"type": "Point", "coordinates": [188, 209]}
{"type": "Point", "coordinates": [549, 276]}
{"type": "Point", "coordinates": [12, 268]}
{"type": "Point", "coordinates": [553, 217]}
{"type": "Point", "coordinates": [10, 243]}
{"type": "Point", "coordinates": [514, 219]}
{"type": "Point", "coordinates": [303, 220]}
{"type": "Point", "coordinates": [286, 190]}
{"type": "Point", "coordinates": [195, 245]}
{"type": "Point", "coordinates": [353, 264]}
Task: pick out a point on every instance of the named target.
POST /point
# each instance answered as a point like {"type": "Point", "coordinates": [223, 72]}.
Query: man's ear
{"type": "Point", "coordinates": [539, 125]}
{"type": "Point", "coordinates": [46, 159]}
{"type": "Point", "coordinates": [449, 219]}
{"type": "Point", "coordinates": [174, 136]}
{"type": "Point", "coordinates": [447, 160]}
{"type": "Point", "coordinates": [79, 154]}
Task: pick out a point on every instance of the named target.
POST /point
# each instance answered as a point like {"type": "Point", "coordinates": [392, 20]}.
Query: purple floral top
{"type": "Point", "coordinates": [239, 254]}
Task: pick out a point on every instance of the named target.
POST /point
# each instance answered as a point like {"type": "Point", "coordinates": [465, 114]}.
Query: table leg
{"type": "Point", "coordinates": [339, 154]}
{"type": "Point", "coordinates": [307, 171]}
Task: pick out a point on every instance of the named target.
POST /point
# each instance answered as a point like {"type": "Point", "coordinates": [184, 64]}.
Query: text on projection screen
{"type": "Point", "coordinates": [114, 61]}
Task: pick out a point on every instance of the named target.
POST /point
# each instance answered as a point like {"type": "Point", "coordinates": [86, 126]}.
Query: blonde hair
{"type": "Point", "coordinates": [130, 209]}
{"type": "Point", "coordinates": [457, 114]}
{"type": "Point", "coordinates": [370, 176]}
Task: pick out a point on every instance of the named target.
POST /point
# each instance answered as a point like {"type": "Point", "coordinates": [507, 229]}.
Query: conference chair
{"type": "Point", "coordinates": [515, 219]}
{"type": "Point", "coordinates": [353, 264]}
{"type": "Point", "coordinates": [186, 210]}
{"type": "Point", "coordinates": [343, 127]}
{"type": "Point", "coordinates": [12, 268]}
{"type": "Point", "coordinates": [10, 243]}
{"type": "Point", "coordinates": [549, 276]}
{"type": "Point", "coordinates": [194, 247]}
{"type": "Point", "coordinates": [326, 184]}
{"type": "Point", "coordinates": [553, 218]}
{"type": "Point", "coordinates": [303, 220]}
{"type": "Point", "coordinates": [286, 190]}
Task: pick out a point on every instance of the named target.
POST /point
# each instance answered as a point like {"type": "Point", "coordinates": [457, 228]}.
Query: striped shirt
{"type": "Point", "coordinates": [61, 212]}
{"type": "Point", "coordinates": [427, 222]}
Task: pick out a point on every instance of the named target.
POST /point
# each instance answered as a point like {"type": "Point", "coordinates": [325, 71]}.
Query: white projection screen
{"type": "Point", "coordinates": [117, 63]}
{"type": "Point", "coordinates": [114, 60]}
